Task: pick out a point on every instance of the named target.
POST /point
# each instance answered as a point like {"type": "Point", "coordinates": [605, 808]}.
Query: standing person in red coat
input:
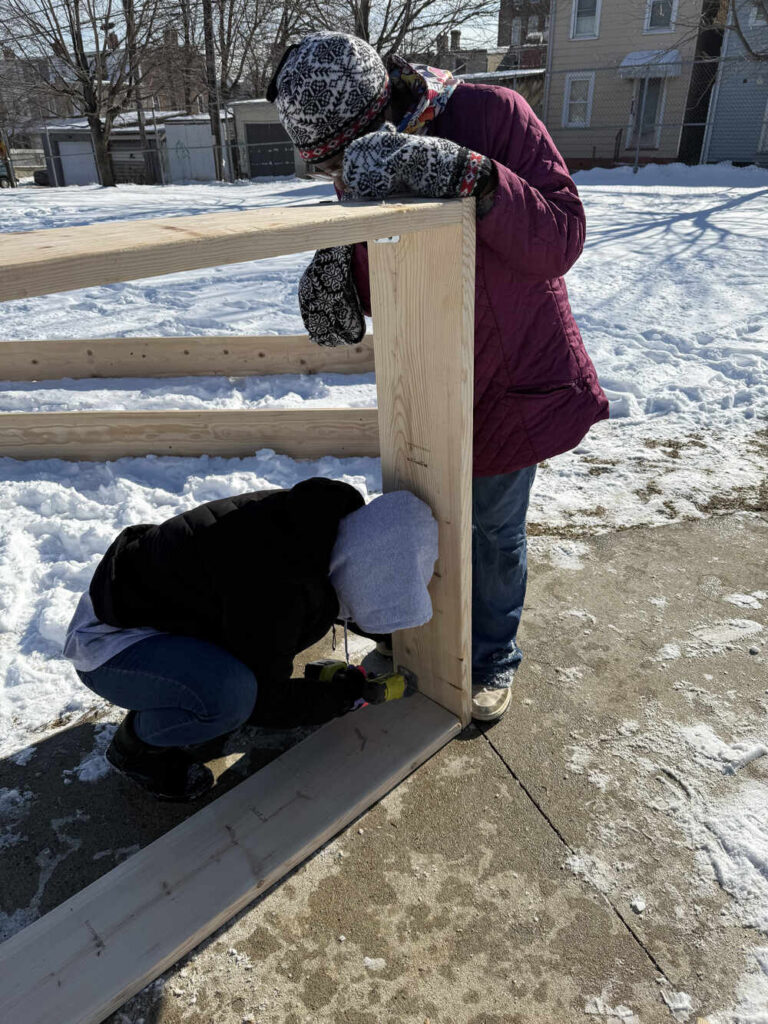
{"type": "Point", "coordinates": [379, 130]}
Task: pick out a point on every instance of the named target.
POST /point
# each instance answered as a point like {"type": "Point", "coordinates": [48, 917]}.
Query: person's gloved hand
{"type": "Point", "coordinates": [386, 161]}
{"type": "Point", "coordinates": [329, 303]}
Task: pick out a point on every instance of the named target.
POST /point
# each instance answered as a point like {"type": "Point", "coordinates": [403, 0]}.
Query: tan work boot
{"type": "Point", "coordinates": [490, 703]}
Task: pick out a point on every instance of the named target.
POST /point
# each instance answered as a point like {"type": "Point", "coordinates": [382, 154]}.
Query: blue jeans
{"type": "Point", "coordinates": [186, 691]}
{"type": "Point", "coordinates": [499, 573]}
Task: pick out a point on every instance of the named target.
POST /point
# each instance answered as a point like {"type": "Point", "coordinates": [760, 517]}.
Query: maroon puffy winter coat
{"type": "Point", "coordinates": [536, 390]}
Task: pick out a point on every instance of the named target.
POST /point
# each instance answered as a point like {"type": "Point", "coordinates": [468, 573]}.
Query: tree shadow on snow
{"type": "Point", "coordinates": [705, 235]}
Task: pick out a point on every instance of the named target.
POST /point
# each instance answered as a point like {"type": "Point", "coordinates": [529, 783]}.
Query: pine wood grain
{"type": "Point", "coordinates": [85, 958]}
{"type": "Point", "coordinates": [59, 259]}
{"type": "Point", "coordinates": [179, 357]}
{"type": "Point", "coordinates": [299, 433]}
{"type": "Point", "coordinates": [423, 313]}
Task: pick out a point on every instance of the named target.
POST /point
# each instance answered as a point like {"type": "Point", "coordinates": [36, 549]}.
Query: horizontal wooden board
{"type": "Point", "coordinates": [179, 357]}
{"type": "Point", "coordinates": [299, 433]}
{"type": "Point", "coordinates": [59, 259]}
{"type": "Point", "coordinates": [85, 958]}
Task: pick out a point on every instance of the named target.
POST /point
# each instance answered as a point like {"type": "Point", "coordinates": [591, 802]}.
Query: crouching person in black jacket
{"type": "Point", "coordinates": [193, 624]}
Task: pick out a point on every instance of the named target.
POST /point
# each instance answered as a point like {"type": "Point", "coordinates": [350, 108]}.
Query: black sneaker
{"type": "Point", "coordinates": [168, 773]}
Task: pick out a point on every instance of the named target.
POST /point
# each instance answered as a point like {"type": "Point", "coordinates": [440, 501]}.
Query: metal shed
{"type": "Point", "coordinates": [265, 148]}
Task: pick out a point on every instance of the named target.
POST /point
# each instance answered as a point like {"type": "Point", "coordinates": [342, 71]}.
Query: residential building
{"type": "Point", "coordinates": [25, 96]}
{"type": "Point", "coordinates": [174, 76]}
{"type": "Point", "coordinates": [620, 77]}
{"type": "Point", "coordinates": [450, 54]}
{"type": "Point", "coordinates": [523, 30]}
{"type": "Point", "coordinates": [529, 82]}
{"type": "Point", "coordinates": [737, 126]}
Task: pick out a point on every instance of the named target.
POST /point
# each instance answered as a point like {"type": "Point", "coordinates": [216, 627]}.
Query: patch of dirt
{"type": "Point", "coordinates": [650, 490]}
{"type": "Point", "coordinates": [673, 446]}
{"type": "Point", "coordinates": [740, 499]}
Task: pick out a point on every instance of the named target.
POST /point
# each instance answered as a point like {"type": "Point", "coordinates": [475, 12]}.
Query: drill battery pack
{"type": "Point", "coordinates": [373, 689]}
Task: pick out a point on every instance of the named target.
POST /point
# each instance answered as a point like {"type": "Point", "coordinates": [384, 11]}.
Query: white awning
{"type": "Point", "coordinates": [651, 64]}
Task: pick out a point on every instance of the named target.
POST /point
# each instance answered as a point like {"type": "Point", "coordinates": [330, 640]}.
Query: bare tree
{"type": "Point", "coordinates": [741, 14]}
{"type": "Point", "coordinates": [743, 17]}
{"type": "Point", "coordinates": [90, 54]}
{"type": "Point", "coordinates": [289, 21]}
{"type": "Point", "coordinates": [399, 26]}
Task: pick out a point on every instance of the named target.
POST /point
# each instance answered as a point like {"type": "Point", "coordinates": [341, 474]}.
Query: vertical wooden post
{"type": "Point", "coordinates": [423, 301]}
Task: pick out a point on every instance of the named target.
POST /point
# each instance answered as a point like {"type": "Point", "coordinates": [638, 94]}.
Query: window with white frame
{"type": "Point", "coordinates": [577, 102]}
{"type": "Point", "coordinates": [758, 14]}
{"type": "Point", "coordinates": [763, 144]}
{"type": "Point", "coordinates": [660, 15]}
{"type": "Point", "coordinates": [585, 19]}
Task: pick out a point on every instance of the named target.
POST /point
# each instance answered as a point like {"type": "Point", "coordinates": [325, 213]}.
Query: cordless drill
{"type": "Point", "coordinates": [372, 689]}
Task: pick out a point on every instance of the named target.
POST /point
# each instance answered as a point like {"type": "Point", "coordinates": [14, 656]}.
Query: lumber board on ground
{"type": "Point", "coordinates": [299, 433]}
{"type": "Point", "coordinates": [85, 958]}
{"type": "Point", "coordinates": [423, 295]}
{"type": "Point", "coordinates": [59, 259]}
{"type": "Point", "coordinates": [179, 357]}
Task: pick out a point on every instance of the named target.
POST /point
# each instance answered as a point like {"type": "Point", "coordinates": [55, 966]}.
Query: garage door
{"type": "Point", "coordinates": [77, 164]}
{"type": "Point", "coordinates": [270, 151]}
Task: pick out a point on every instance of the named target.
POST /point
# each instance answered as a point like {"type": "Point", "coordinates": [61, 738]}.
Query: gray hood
{"type": "Point", "coordinates": [382, 561]}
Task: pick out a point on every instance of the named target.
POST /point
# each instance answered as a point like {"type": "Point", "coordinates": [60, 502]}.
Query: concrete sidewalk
{"type": "Point", "coordinates": [602, 850]}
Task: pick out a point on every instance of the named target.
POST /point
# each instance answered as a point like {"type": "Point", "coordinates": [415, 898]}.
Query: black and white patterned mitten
{"type": "Point", "coordinates": [329, 303]}
{"type": "Point", "coordinates": [386, 161]}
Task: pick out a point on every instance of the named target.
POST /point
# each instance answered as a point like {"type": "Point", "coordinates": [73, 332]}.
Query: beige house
{"type": "Point", "coordinates": [619, 78]}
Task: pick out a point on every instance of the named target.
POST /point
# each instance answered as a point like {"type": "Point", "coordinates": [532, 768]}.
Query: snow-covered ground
{"type": "Point", "coordinates": [672, 299]}
{"type": "Point", "coordinates": [670, 295]}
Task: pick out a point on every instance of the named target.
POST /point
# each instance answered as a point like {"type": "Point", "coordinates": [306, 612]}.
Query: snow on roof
{"type": "Point", "coordinates": [195, 118]}
{"type": "Point", "coordinates": [512, 73]}
{"type": "Point", "coordinates": [237, 103]}
{"type": "Point", "coordinates": [127, 121]}
{"type": "Point", "coordinates": [651, 64]}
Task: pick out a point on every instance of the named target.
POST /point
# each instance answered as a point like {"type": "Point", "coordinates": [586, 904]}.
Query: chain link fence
{"type": "Point", "coordinates": [68, 159]}
{"type": "Point", "coordinates": [695, 112]}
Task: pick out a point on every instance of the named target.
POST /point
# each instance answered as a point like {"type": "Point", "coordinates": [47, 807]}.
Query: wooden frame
{"type": "Point", "coordinates": [85, 958]}
{"type": "Point", "coordinates": [178, 357]}
{"type": "Point", "coordinates": [59, 259]}
{"type": "Point", "coordinates": [82, 960]}
{"type": "Point", "coordinates": [88, 435]}
{"type": "Point", "coordinates": [231, 433]}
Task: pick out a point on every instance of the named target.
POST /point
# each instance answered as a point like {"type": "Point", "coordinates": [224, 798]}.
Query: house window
{"type": "Point", "coordinates": [763, 144]}
{"type": "Point", "coordinates": [585, 19]}
{"type": "Point", "coordinates": [646, 113]}
{"type": "Point", "coordinates": [758, 14]}
{"type": "Point", "coordinates": [577, 103]}
{"type": "Point", "coordinates": [659, 16]}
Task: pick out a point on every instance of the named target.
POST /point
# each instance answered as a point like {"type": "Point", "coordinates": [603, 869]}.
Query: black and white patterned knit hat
{"type": "Point", "coordinates": [327, 90]}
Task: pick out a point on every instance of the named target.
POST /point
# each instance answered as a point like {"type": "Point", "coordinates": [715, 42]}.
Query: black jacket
{"type": "Point", "coordinates": [249, 573]}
